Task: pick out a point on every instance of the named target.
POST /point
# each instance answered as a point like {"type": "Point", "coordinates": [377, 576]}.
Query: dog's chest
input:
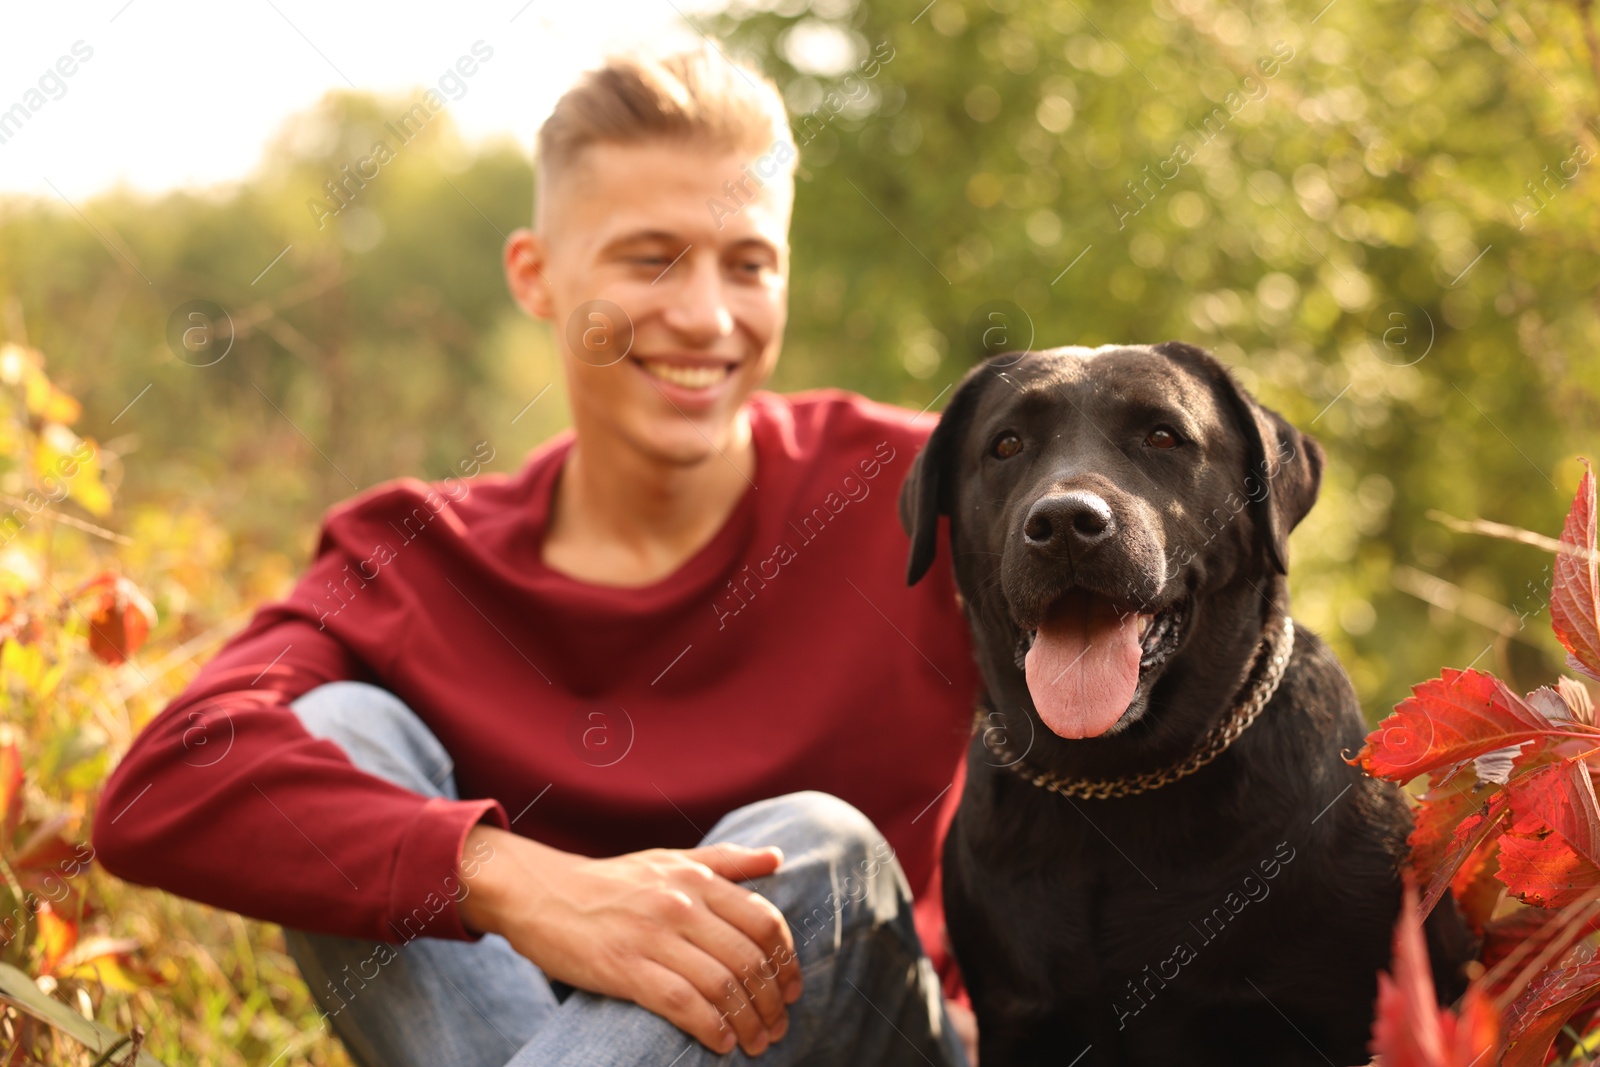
{"type": "Point", "coordinates": [1072, 936]}
{"type": "Point", "coordinates": [1070, 908]}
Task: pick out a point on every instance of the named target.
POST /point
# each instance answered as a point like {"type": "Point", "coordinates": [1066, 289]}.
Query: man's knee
{"type": "Point", "coordinates": [380, 734]}
{"type": "Point", "coordinates": [798, 820]}
{"type": "Point", "coordinates": [839, 873]}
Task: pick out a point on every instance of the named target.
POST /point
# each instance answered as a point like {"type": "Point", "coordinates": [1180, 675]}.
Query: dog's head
{"type": "Point", "coordinates": [1097, 499]}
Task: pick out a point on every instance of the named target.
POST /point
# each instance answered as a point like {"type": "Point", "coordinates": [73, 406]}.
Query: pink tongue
{"type": "Point", "coordinates": [1083, 667]}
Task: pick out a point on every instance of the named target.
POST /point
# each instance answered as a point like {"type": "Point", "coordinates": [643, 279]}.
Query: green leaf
{"type": "Point", "coordinates": [18, 990]}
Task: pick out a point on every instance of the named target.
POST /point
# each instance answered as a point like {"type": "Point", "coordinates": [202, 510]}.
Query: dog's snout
{"type": "Point", "coordinates": [1062, 520]}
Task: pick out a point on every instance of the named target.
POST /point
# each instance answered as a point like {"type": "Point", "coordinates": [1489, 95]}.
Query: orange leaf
{"type": "Point", "coordinates": [1575, 599]}
{"type": "Point", "coordinates": [1448, 720]}
{"type": "Point", "coordinates": [1411, 1030]}
{"type": "Point", "coordinates": [49, 402]}
{"type": "Point", "coordinates": [1543, 870]}
{"type": "Point", "coordinates": [111, 963]}
{"type": "Point", "coordinates": [10, 790]}
{"type": "Point", "coordinates": [120, 620]}
{"type": "Point", "coordinates": [57, 935]}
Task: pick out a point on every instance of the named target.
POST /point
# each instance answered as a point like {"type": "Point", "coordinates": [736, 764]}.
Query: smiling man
{"type": "Point", "coordinates": [643, 751]}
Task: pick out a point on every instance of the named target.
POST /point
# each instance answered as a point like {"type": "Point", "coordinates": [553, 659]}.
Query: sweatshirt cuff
{"type": "Point", "coordinates": [425, 886]}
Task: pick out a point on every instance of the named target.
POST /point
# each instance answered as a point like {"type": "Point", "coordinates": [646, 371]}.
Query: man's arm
{"type": "Point", "coordinates": [666, 928]}
{"type": "Point", "coordinates": [226, 799]}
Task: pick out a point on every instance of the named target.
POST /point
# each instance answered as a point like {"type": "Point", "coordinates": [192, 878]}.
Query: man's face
{"type": "Point", "coordinates": [636, 228]}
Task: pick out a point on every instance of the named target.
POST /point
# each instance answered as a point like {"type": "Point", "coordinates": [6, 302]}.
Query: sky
{"type": "Point", "coordinates": [164, 94]}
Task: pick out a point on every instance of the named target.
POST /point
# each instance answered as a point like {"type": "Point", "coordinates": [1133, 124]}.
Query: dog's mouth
{"type": "Point", "coordinates": [1161, 633]}
{"type": "Point", "coordinates": [1089, 656]}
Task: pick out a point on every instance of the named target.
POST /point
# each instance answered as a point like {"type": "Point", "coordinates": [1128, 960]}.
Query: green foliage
{"type": "Point", "coordinates": [1390, 231]}
{"type": "Point", "coordinates": [1358, 178]}
{"type": "Point", "coordinates": [86, 960]}
{"type": "Point", "coordinates": [1369, 194]}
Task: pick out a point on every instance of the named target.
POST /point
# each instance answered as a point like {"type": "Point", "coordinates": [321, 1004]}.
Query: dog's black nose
{"type": "Point", "coordinates": [1064, 519]}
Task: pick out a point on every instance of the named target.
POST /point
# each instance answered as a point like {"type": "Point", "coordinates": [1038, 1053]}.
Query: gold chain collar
{"type": "Point", "coordinates": [1276, 646]}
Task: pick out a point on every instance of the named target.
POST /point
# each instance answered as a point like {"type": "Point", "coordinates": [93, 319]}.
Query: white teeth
{"type": "Point", "coordinates": [1144, 624]}
{"type": "Point", "coordinates": [701, 377]}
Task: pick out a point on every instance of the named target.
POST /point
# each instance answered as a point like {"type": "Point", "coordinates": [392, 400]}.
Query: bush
{"type": "Point", "coordinates": [86, 658]}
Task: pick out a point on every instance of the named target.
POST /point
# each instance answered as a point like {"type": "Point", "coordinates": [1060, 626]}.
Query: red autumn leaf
{"type": "Point", "coordinates": [119, 618]}
{"type": "Point", "coordinates": [1448, 720]}
{"type": "Point", "coordinates": [1502, 936]}
{"type": "Point", "coordinates": [46, 862]}
{"type": "Point", "coordinates": [1439, 861]}
{"type": "Point", "coordinates": [1551, 854]}
{"type": "Point", "coordinates": [1520, 938]}
{"type": "Point", "coordinates": [1543, 870]}
{"type": "Point", "coordinates": [1411, 1030]}
{"type": "Point", "coordinates": [57, 935]}
{"type": "Point", "coordinates": [1536, 1019]}
{"type": "Point", "coordinates": [1575, 599]}
{"type": "Point", "coordinates": [44, 847]}
{"type": "Point", "coordinates": [1560, 797]}
{"type": "Point", "coordinates": [21, 627]}
{"type": "Point", "coordinates": [1476, 889]}
{"type": "Point", "coordinates": [1439, 811]}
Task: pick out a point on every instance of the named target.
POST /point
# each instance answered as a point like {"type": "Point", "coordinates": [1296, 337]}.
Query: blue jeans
{"type": "Point", "coordinates": [870, 996]}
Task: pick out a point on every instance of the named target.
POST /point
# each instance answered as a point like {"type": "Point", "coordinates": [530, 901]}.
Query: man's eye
{"type": "Point", "coordinates": [1005, 445]}
{"type": "Point", "coordinates": [1163, 437]}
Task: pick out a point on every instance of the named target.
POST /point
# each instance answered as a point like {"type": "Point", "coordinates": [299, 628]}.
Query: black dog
{"type": "Point", "coordinates": [1140, 871]}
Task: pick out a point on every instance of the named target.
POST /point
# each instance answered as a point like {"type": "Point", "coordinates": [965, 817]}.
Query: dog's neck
{"type": "Point", "coordinates": [1191, 696]}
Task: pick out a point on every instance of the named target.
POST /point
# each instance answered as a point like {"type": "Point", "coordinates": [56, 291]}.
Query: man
{"type": "Point", "coordinates": [523, 735]}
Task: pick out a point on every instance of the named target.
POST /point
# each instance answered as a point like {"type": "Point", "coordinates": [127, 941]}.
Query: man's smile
{"type": "Point", "coordinates": [686, 372]}
{"type": "Point", "coordinates": [689, 383]}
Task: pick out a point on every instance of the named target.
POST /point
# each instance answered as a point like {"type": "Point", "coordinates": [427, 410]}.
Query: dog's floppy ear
{"type": "Point", "coordinates": [926, 493]}
{"type": "Point", "coordinates": [1285, 465]}
{"type": "Point", "coordinates": [1290, 465]}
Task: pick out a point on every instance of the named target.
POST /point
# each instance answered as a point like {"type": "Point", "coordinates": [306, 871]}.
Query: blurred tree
{"type": "Point", "coordinates": [362, 341]}
{"type": "Point", "coordinates": [1383, 215]}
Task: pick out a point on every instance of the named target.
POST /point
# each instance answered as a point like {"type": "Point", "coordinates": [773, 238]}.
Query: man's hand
{"type": "Point", "coordinates": [666, 929]}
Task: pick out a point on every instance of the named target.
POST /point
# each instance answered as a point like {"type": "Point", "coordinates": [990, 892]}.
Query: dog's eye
{"type": "Point", "coordinates": [1163, 437]}
{"type": "Point", "coordinates": [1006, 445]}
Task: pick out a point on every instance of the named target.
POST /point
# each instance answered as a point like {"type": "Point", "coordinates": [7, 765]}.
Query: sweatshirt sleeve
{"type": "Point", "coordinates": [225, 798]}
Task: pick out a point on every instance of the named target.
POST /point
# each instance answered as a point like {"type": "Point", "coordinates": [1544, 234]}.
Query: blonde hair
{"type": "Point", "coordinates": [698, 96]}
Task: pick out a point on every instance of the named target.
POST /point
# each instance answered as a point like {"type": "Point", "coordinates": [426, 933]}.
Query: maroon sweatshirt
{"type": "Point", "coordinates": [786, 654]}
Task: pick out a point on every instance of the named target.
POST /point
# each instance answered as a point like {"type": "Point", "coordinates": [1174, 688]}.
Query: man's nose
{"type": "Point", "coordinates": [697, 306]}
{"type": "Point", "coordinates": [1059, 521]}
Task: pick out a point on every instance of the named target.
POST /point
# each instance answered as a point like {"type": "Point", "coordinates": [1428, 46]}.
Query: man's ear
{"type": "Point", "coordinates": [928, 490]}
{"type": "Point", "coordinates": [525, 255]}
{"type": "Point", "coordinates": [1284, 466]}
